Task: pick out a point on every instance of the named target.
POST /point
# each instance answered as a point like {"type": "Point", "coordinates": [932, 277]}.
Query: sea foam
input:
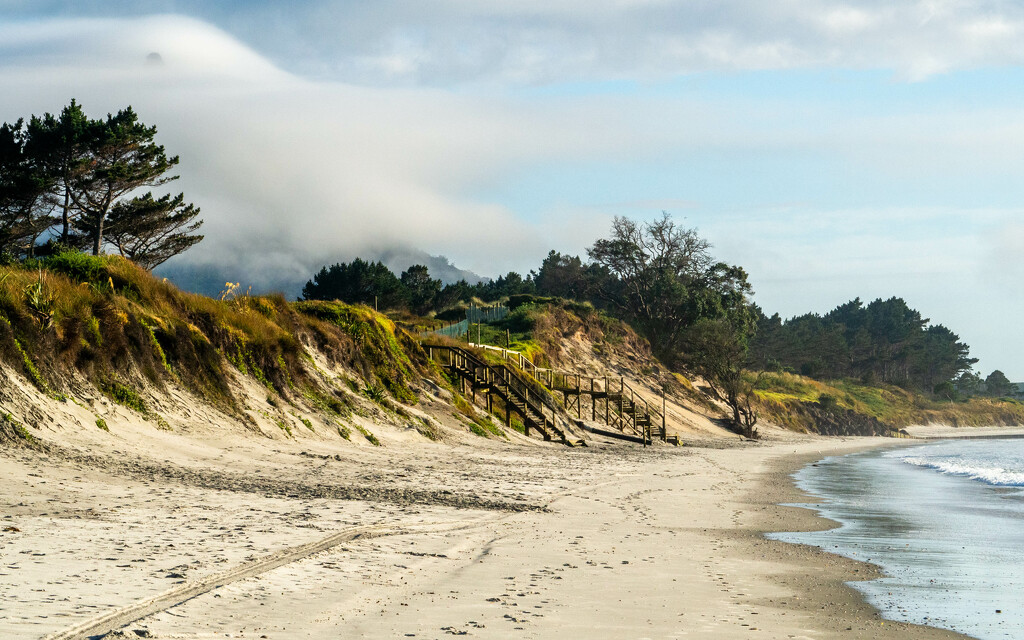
{"type": "Point", "coordinates": [938, 520]}
{"type": "Point", "coordinates": [994, 475]}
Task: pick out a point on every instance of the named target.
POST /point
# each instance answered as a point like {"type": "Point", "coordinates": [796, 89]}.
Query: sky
{"type": "Point", "coordinates": [833, 149]}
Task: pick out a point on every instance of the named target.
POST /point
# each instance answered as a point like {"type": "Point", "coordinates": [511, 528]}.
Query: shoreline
{"type": "Point", "coordinates": [849, 611]}
{"type": "Point", "coordinates": [626, 543]}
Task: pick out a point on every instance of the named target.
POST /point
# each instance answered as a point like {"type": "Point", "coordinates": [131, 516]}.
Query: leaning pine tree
{"type": "Point", "coordinates": [121, 158]}
{"type": "Point", "coordinates": [150, 230]}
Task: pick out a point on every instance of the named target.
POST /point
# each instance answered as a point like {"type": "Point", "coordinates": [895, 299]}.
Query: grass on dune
{"type": "Point", "coordinates": [780, 396]}
{"type": "Point", "coordinates": [108, 318]}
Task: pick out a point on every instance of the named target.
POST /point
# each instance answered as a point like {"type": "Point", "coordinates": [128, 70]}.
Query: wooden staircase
{"type": "Point", "coordinates": [612, 400]}
{"type": "Point", "coordinates": [517, 394]}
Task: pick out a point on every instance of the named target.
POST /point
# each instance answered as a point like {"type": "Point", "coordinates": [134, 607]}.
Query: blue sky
{"type": "Point", "coordinates": [834, 149]}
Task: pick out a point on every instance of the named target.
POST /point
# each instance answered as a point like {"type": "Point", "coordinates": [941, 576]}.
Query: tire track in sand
{"type": "Point", "coordinates": [107, 622]}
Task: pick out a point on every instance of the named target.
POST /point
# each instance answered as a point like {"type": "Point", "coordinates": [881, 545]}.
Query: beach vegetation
{"type": "Point", "coordinates": [123, 329]}
{"type": "Point", "coordinates": [427, 429]}
{"type": "Point", "coordinates": [797, 402]}
{"type": "Point", "coordinates": [124, 395]}
{"type": "Point", "coordinates": [13, 430]}
{"type": "Point", "coordinates": [372, 439]}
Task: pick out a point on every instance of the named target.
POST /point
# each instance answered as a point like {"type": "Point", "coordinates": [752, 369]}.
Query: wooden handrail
{"type": "Point", "coordinates": [540, 373]}
{"type": "Point", "coordinates": [460, 358]}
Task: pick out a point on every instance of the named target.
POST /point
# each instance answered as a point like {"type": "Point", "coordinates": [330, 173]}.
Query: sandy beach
{"type": "Point", "coordinates": [234, 537]}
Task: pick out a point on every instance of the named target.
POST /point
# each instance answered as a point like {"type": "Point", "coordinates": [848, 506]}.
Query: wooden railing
{"type": "Point", "coordinates": [518, 395]}
{"type": "Point", "coordinates": [624, 408]}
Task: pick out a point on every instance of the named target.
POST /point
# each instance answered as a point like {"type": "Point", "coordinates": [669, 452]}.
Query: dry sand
{"type": "Point", "coordinates": [248, 538]}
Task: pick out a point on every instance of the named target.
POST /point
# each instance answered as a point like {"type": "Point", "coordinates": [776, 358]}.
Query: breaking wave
{"type": "Point", "coordinates": [995, 475]}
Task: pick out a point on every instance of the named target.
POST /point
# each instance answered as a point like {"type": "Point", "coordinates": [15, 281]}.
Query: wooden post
{"type": "Point", "coordinates": [579, 399]}
{"type": "Point", "coordinates": [593, 402]}
{"type": "Point", "coordinates": [621, 398]}
{"type": "Point", "coordinates": [664, 431]}
{"type": "Point", "coordinates": [606, 401]}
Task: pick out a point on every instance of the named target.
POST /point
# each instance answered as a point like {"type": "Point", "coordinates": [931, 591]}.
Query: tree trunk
{"type": "Point", "coordinates": [97, 239]}
{"type": "Point", "coordinates": [65, 218]}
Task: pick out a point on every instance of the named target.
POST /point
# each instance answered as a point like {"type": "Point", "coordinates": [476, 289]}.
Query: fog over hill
{"type": "Point", "coordinates": [209, 279]}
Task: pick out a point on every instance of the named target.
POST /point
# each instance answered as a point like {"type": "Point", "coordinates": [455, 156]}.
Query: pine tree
{"type": "Point", "coordinates": [122, 158]}
{"type": "Point", "coordinates": [149, 230]}
{"type": "Point", "coordinates": [59, 145]}
{"type": "Point", "coordinates": [24, 212]}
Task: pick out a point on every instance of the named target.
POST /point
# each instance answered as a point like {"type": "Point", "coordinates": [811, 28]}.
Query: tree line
{"type": "Point", "coordinates": [68, 181]}
{"type": "Point", "coordinates": [882, 341]}
{"type": "Point", "coordinates": [374, 284]}
{"type": "Point", "coordinates": [659, 277]}
{"type": "Point", "coordinates": [697, 314]}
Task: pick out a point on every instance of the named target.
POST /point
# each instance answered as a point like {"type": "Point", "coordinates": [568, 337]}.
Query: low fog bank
{"type": "Point", "coordinates": [290, 275]}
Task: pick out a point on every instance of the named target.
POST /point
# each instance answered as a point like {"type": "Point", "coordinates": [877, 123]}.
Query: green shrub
{"type": "Point", "coordinates": [30, 367]}
{"type": "Point", "coordinates": [428, 430]}
{"type": "Point", "coordinates": [828, 402]}
{"type": "Point", "coordinates": [125, 396]}
{"type": "Point", "coordinates": [376, 393]}
{"type": "Point", "coordinates": [485, 427]}
{"type": "Point", "coordinates": [522, 320]}
{"type": "Point", "coordinates": [79, 266]}
{"type": "Point", "coordinates": [19, 429]}
{"type": "Point", "coordinates": [326, 403]}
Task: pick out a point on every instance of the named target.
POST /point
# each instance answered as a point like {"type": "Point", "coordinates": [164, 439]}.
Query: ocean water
{"type": "Point", "coordinates": [944, 520]}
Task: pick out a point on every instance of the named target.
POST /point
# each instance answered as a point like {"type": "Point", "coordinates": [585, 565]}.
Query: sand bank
{"type": "Point", "coordinates": [231, 539]}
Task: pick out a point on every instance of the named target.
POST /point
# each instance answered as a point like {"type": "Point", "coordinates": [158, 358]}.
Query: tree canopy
{"type": "Point", "coordinates": [78, 182]}
{"type": "Point", "coordinates": [356, 282]}
{"type": "Point", "coordinates": [997, 384]}
{"type": "Point", "coordinates": [661, 278]}
{"type": "Point", "coordinates": [884, 340]}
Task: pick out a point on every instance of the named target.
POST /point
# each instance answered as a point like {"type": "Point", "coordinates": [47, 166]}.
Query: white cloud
{"type": "Point", "coordinates": [537, 42]}
{"type": "Point", "coordinates": [292, 173]}
{"type": "Point", "coordinates": [448, 42]}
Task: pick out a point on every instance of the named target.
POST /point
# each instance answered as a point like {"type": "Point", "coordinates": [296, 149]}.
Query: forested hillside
{"type": "Point", "coordinates": [883, 341]}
